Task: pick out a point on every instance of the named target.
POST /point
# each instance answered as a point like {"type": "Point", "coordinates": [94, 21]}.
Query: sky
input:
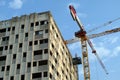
{"type": "Point", "coordinates": [92, 13]}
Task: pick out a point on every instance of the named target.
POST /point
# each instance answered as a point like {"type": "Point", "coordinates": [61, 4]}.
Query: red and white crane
{"type": "Point", "coordinates": [82, 36]}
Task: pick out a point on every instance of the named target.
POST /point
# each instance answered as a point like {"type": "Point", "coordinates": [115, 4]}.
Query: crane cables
{"type": "Point", "coordinates": [105, 24]}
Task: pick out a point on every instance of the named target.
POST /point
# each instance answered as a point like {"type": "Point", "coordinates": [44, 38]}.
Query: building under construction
{"type": "Point", "coordinates": [32, 48]}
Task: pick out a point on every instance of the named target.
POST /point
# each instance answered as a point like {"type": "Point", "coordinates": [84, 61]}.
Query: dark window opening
{"type": "Point", "coordinates": [66, 77]}
{"type": "Point", "coordinates": [44, 62]}
{"type": "Point", "coordinates": [30, 43]}
{"type": "Point", "coordinates": [52, 46]}
{"type": "Point", "coordinates": [38, 52]}
{"type": "Point", "coordinates": [46, 40]}
{"type": "Point", "coordinates": [50, 75]}
{"type": "Point", "coordinates": [9, 29]}
{"type": "Point", "coordinates": [11, 46]}
{"type": "Point", "coordinates": [1, 78]}
{"type": "Point", "coordinates": [55, 60]}
{"type": "Point", "coordinates": [34, 64]}
{"type": "Point", "coordinates": [57, 35]}
{"type": "Point", "coordinates": [24, 54]}
{"type": "Point", "coordinates": [57, 73]}
{"type": "Point", "coordinates": [2, 58]}
{"type": "Point", "coordinates": [32, 25]}
{"type": "Point", "coordinates": [12, 78]}
{"type": "Point", "coordinates": [52, 27]}
{"type": "Point", "coordinates": [29, 64]}
{"type": "Point", "coordinates": [46, 31]}
{"type": "Point", "coordinates": [41, 41]}
{"type": "Point", "coordinates": [45, 74]}
{"type": "Point", "coordinates": [13, 28]}
{"type": "Point", "coordinates": [2, 30]}
{"type": "Point", "coordinates": [43, 22]}
{"type": "Point", "coordinates": [52, 66]}
{"type": "Point", "coordinates": [22, 77]}
{"type": "Point", "coordinates": [14, 56]}
{"type": "Point", "coordinates": [57, 53]}
{"type": "Point", "coordinates": [67, 69]}
{"type": "Point", "coordinates": [35, 42]}
{"type": "Point", "coordinates": [63, 47]}
{"type": "Point", "coordinates": [26, 34]}
{"type": "Point", "coordinates": [62, 71]}
{"type": "Point", "coordinates": [37, 23]}
{"type": "Point", "coordinates": [1, 48]}
{"type": "Point", "coordinates": [36, 75]}
{"type": "Point", "coordinates": [51, 53]}
{"type": "Point", "coordinates": [39, 32]}
{"type": "Point", "coordinates": [22, 26]}
{"type": "Point", "coordinates": [20, 45]}
{"type": "Point", "coordinates": [5, 38]}
{"type": "Point", "coordinates": [6, 47]}
{"type": "Point", "coordinates": [3, 68]}
{"type": "Point", "coordinates": [17, 36]}
{"type": "Point", "coordinates": [45, 51]}
{"type": "Point", "coordinates": [18, 66]}
{"type": "Point", "coordinates": [8, 68]}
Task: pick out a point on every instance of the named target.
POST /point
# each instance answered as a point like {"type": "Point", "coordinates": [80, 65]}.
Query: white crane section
{"type": "Point", "coordinates": [76, 39]}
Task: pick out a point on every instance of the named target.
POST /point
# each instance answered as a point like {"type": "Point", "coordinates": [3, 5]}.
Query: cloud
{"type": "Point", "coordinates": [16, 4]}
{"type": "Point", "coordinates": [2, 2]}
{"type": "Point", "coordinates": [74, 46]}
{"type": "Point", "coordinates": [112, 39]}
{"type": "Point", "coordinates": [103, 52]}
{"type": "Point", "coordinates": [84, 15]}
{"type": "Point", "coordinates": [116, 51]}
{"type": "Point", "coordinates": [81, 71]}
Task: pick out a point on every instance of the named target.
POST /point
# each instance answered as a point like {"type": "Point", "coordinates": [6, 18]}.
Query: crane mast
{"type": "Point", "coordinates": [85, 61]}
{"type": "Point", "coordinates": [82, 34]}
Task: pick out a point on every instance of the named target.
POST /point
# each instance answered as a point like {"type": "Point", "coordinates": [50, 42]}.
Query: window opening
{"type": "Point", "coordinates": [18, 66]}
{"type": "Point", "coordinates": [36, 75]}
{"type": "Point", "coordinates": [44, 62]}
{"type": "Point", "coordinates": [8, 68]}
{"type": "Point", "coordinates": [39, 52]}
{"type": "Point", "coordinates": [20, 45]}
{"type": "Point", "coordinates": [45, 74]}
{"type": "Point", "coordinates": [32, 24]}
{"type": "Point", "coordinates": [36, 23]}
{"type": "Point", "coordinates": [22, 26]}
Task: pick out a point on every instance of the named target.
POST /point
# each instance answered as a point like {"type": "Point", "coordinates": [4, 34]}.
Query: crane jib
{"type": "Point", "coordinates": [72, 11]}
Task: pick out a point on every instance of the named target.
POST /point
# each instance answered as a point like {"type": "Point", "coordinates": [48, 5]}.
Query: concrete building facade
{"type": "Point", "coordinates": [32, 48]}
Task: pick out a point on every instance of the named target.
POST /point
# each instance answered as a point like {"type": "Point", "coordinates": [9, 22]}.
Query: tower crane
{"type": "Point", "coordinates": [82, 36]}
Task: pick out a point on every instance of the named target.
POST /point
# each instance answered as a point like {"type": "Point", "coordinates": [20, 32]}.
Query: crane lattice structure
{"type": "Point", "coordinates": [82, 36]}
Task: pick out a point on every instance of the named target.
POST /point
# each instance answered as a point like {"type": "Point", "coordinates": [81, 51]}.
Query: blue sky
{"type": "Point", "coordinates": [92, 14]}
